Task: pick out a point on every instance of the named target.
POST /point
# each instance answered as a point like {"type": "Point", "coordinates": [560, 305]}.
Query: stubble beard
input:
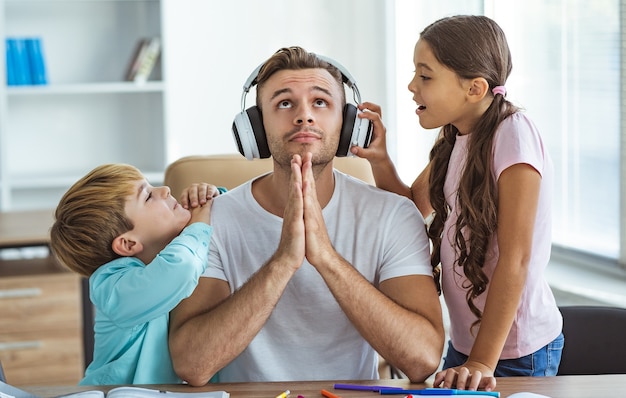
{"type": "Point", "coordinates": [319, 160]}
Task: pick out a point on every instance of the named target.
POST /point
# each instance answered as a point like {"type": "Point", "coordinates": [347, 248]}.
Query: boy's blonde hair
{"type": "Point", "coordinates": [91, 215]}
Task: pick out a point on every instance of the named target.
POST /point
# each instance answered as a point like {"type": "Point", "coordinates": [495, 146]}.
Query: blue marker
{"type": "Point", "coordinates": [439, 392]}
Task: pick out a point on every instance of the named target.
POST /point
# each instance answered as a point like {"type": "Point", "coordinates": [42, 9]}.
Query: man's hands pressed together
{"type": "Point", "coordinates": [292, 239]}
{"type": "Point", "coordinates": [316, 241]}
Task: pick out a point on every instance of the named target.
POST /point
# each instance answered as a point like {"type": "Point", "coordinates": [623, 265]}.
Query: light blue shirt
{"type": "Point", "coordinates": [132, 304]}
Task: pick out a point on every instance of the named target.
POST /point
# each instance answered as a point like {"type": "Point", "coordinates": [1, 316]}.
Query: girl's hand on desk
{"type": "Point", "coordinates": [470, 376]}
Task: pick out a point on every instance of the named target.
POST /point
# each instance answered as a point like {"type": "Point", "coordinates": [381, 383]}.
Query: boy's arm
{"type": "Point", "coordinates": [130, 293]}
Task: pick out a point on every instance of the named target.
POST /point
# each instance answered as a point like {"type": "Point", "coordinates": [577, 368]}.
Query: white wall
{"type": "Point", "coordinates": [213, 46]}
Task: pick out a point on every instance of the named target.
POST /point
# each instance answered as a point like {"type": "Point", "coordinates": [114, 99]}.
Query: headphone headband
{"type": "Point", "coordinates": [347, 79]}
{"type": "Point", "coordinates": [251, 80]}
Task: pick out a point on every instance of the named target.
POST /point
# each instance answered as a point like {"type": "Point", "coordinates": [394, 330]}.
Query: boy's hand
{"type": "Point", "coordinates": [198, 194]}
{"type": "Point", "coordinates": [201, 213]}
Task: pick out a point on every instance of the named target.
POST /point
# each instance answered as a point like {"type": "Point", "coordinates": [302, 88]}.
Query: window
{"type": "Point", "coordinates": [566, 75]}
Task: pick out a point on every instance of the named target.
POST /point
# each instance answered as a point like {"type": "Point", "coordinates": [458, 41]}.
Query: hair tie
{"type": "Point", "coordinates": [499, 90]}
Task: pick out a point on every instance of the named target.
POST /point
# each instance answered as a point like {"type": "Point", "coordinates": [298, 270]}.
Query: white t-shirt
{"type": "Point", "coordinates": [538, 320]}
{"type": "Point", "coordinates": [308, 337]}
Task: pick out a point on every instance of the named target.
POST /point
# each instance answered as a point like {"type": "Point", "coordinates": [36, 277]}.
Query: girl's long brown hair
{"type": "Point", "coordinates": [472, 46]}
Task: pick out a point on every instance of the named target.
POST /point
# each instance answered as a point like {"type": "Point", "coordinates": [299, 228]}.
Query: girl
{"type": "Point", "coordinates": [487, 191]}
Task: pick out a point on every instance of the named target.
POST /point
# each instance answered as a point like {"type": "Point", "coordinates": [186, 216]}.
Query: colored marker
{"type": "Point", "coordinates": [283, 394]}
{"type": "Point", "coordinates": [439, 392]}
{"type": "Point", "coordinates": [329, 394]}
{"type": "Point", "coordinates": [359, 387]}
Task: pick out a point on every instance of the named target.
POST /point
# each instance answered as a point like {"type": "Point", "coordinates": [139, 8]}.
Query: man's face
{"type": "Point", "coordinates": [302, 112]}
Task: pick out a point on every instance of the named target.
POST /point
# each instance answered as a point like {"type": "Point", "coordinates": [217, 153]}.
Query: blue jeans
{"type": "Point", "coordinates": [543, 362]}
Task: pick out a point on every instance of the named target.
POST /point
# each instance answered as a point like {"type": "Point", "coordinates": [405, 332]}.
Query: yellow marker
{"type": "Point", "coordinates": [283, 394]}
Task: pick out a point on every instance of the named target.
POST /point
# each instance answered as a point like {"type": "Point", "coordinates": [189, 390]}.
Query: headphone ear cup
{"type": "Point", "coordinates": [347, 129]}
{"type": "Point", "coordinates": [256, 122]}
{"type": "Point", "coordinates": [241, 133]}
{"type": "Point", "coordinates": [249, 134]}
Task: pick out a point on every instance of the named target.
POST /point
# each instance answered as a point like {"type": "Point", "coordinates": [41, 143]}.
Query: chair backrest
{"type": "Point", "coordinates": [595, 340]}
{"type": "Point", "coordinates": [230, 170]}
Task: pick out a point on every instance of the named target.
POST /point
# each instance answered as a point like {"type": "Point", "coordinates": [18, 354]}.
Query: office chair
{"type": "Point", "coordinates": [595, 341]}
{"type": "Point", "coordinates": [230, 170]}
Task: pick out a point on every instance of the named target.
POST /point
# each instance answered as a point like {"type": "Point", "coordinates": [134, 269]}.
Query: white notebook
{"type": "Point", "coordinates": [8, 391]}
{"type": "Point", "coordinates": [139, 392]}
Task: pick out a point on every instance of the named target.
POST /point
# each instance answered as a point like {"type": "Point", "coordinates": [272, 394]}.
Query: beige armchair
{"type": "Point", "coordinates": [230, 170]}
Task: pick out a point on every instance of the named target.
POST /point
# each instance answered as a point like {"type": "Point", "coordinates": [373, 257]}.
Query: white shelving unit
{"type": "Point", "coordinates": [87, 114]}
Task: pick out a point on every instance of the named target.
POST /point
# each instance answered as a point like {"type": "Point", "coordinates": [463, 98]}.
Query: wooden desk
{"type": "Point", "coordinates": [46, 335]}
{"type": "Point", "coordinates": [554, 387]}
{"type": "Point", "coordinates": [25, 228]}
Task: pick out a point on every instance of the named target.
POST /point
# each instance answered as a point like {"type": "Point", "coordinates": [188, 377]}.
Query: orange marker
{"type": "Point", "coordinates": [329, 394]}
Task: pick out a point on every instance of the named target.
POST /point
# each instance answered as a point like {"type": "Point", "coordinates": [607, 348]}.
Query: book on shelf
{"type": "Point", "coordinates": [10, 61]}
{"type": "Point", "coordinates": [144, 59]}
{"type": "Point", "coordinates": [16, 46]}
{"type": "Point", "coordinates": [34, 49]}
{"type": "Point", "coordinates": [135, 60]}
{"type": "Point", "coordinates": [117, 392]}
{"type": "Point", "coordinates": [25, 63]}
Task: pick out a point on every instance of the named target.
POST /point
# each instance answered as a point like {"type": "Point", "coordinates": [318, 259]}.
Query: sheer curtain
{"type": "Point", "coordinates": [566, 75]}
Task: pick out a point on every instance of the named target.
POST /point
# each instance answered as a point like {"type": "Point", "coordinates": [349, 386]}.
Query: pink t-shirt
{"type": "Point", "coordinates": [538, 320]}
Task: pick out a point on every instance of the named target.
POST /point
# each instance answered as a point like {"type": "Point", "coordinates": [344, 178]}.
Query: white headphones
{"type": "Point", "coordinates": [249, 132]}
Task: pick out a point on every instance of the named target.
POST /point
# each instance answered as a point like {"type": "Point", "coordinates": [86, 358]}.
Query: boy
{"type": "Point", "coordinates": [143, 253]}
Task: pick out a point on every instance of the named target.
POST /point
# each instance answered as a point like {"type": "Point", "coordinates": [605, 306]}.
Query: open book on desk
{"type": "Point", "coordinates": [8, 391]}
{"type": "Point", "coordinates": [140, 392]}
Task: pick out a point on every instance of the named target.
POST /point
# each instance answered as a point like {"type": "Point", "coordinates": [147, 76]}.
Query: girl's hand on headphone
{"type": "Point", "coordinates": [377, 150]}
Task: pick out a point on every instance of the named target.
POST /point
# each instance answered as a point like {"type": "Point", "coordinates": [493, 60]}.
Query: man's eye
{"type": "Point", "coordinates": [284, 104]}
{"type": "Point", "coordinates": [149, 196]}
{"type": "Point", "coordinates": [320, 103]}
{"type": "Point", "coordinates": [424, 77]}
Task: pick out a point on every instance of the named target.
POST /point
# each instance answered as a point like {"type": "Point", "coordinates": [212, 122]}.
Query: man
{"type": "Point", "coordinates": [312, 273]}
